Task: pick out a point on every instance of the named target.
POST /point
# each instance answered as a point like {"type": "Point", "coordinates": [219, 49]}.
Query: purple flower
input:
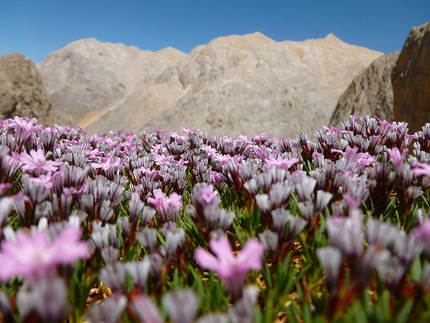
{"type": "Point", "coordinates": [163, 160]}
{"type": "Point", "coordinates": [46, 180]}
{"type": "Point", "coordinates": [232, 269]}
{"type": "Point", "coordinates": [207, 195]}
{"type": "Point", "coordinates": [421, 169]}
{"type": "Point", "coordinates": [346, 233]}
{"type": "Point", "coordinates": [24, 128]}
{"type": "Point", "coordinates": [304, 185]}
{"type": "Point", "coordinates": [146, 310]}
{"type": "Point", "coordinates": [280, 163]}
{"type": "Point", "coordinates": [181, 305]}
{"type": "Point", "coordinates": [106, 163]}
{"type": "Point", "coordinates": [6, 205]}
{"type": "Point", "coordinates": [45, 300]}
{"type": "Point", "coordinates": [422, 234]}
{"type": "Point", "coordinates": [166, 205]}
{"type": "Point", "coordinates": [36, 161]}
{"type": "Point", "coordinates": [396, 157]}
{"type": "Point", "coordinates": [34, 256]}
{"type": "Point", "coordinates": [331, 261]}
{"type": "Point", "coordinates": [109, 311]}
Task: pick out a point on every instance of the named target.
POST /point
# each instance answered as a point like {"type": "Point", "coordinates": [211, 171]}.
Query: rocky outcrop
{"type": "Point", "coordinates": [233, 85]}
{"type": "Point", "coordinates": [22, 92]}
{"type": "Point", "coordinates": [411, 80]}
{"type": "Point", "coordinates": [370, 93]}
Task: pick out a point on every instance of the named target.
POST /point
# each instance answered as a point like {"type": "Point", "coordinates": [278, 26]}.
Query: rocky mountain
{"type": "Point", "coordinates": [22, 92]}
{"type": "Point", "coordinates": [370, 93]}
{"type": "Point", "coordinates": [411, 80]}
{"type": "Point", "coordinates": [233, 85]}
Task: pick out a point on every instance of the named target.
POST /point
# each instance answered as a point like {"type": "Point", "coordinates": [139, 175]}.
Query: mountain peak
{"type": "Point", "coordinates": [332, 38]}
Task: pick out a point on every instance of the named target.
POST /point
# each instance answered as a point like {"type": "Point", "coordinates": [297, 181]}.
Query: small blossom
{"type": "Point", "coordinates": [106, 163]}
{"type": "Point", "coordinates": [380, 233]}
{"type": "Point", "coordinates": [37, 162]}
{"type": "Point", "coordinates": [6, 205]}
{"type": "Point", "coordinates": [322, 200]}
{"type": "Point", "coordinates": [107, 312]}
{"type": "Point", "coordinates": [163, 160]}
{"type": "Point", "coordinates": [47, 180]}
{"type": "Point", "coordinates": [24, 128]}
{"type": "Point", "coordinates": [269, 239]}
{"type": "Point", "coordinates": [243, 309]}
{"type": "Point", "coordinates": [331, 260]}
{"type": "Point", "coordinates": [422, 234]}
{"type": "Point", "coordinates": [279, 162]}
{"type": "Point", "coordinates": [46, 297]}
{"type": "Point", "coordinates": [206, 195]}
{"type": "Point", "coordinates": [232, 269]}
{"type": "Point", "coordinates": [145, 309]}
{"type": "Point", "coordinates": [181, 305]}
{"type": "Point", "coordinates": [396, 157]}
{"type": "Point", "coordinates": [282, 217]}
{"type": "Point", "coordinates": [346, 233]}
{"type": "Point", "coordinates": [421, 169]}
{"type": "Point", "coordinates": [166, 205]}
{"type": "Point", "coordinates": [304, 185]}
{"type": "Point", "coordinates": [35, 256]}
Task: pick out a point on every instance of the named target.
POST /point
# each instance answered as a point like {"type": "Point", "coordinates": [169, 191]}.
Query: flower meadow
{"type": "Point", "coordinates": [184, 227]}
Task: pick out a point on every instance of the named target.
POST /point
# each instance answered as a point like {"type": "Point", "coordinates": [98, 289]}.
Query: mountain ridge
{"type": "Point", "coordinates": [235, 84]}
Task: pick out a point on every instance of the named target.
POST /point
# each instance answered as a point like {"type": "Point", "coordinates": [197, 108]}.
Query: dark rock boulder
{"type": "Point", "coordinates": [22, 92]}
{"type": "Point", "coordinates": [411, 80]}
{"type": "Point", "coordinates": [370, 92]}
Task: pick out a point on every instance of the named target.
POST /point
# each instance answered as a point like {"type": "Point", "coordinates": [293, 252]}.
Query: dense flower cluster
{"type": "Point", "coordinates": [186, 227]}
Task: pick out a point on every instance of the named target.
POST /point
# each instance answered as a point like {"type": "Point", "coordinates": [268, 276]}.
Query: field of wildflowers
{"type": "Point", "coordinates": [185, 227]}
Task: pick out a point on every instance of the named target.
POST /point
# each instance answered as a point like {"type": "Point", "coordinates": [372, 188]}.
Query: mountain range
{"type": "Point", "coordinates": [233, 85]}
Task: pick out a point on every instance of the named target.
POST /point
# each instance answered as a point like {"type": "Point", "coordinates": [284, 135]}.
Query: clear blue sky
{"type": "Point", "coordinates": [36, 28]}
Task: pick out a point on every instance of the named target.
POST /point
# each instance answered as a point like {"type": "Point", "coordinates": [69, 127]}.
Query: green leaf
{"type": "Point", "coordinates": [403, 315]}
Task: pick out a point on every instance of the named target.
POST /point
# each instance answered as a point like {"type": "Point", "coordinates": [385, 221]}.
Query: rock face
{"type": "Point", "coordinates": [22, 92]}
{"type": "Point", "coordinates": [370, 93]}
{"type": "Point", "coordinates": [233, 85]}
{"type": "Point", "coordinates": [411, 80]}
{"type": "Point", "coordinates": [88, 79]}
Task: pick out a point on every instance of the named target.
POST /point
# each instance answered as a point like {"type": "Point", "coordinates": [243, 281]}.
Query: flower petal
{"type": "Point", "coordinates": [206, 260]}
{"type": "Point", "coordinates": [222, 249]}
{"type": "Point", "coordinates": [251, 255]}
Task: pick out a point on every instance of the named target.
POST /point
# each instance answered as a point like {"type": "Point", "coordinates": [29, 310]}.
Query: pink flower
{"type": "Point", "coordinates": [35, 256]}
{"type": "Point", "coordinates": [24, 128]}
{"type": "Point", "coordinates": [207, 195]}
{"type": "Point", "coordinates": [333, 129]}
{"type": "Point", "coordinates": [146, 310]}
{"type": "Point", "coordinates": [166, 206]}
{"type": "Point", "coordinates": [396, 157]}
{"type": "Point", "coordinates": [37, 162]}
{"type": "Point", "coordinates": [163, 160]}
{"type": "Point", "coordinates": [352, 155]}
{"type": "Point", "coordinates": [280, 163]}
{"type": "Point", "coordinates": [232, 269]}
{"type": "Point", "coordinates": [106, 163]}
{"type": "Point", "coordinates": [150, 173]}
{"type": "Point", "coordinates": [421, 169]}
{"type": "Point", "coordinates": [210, 151]}
{"type": "Point", "coordinates": [422, 234]}
{"type": "Point", "coordinates": [46, 180]}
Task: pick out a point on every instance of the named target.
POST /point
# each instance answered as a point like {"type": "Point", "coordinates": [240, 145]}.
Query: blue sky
{"type": "Point", "coordinates": [36, 28]}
